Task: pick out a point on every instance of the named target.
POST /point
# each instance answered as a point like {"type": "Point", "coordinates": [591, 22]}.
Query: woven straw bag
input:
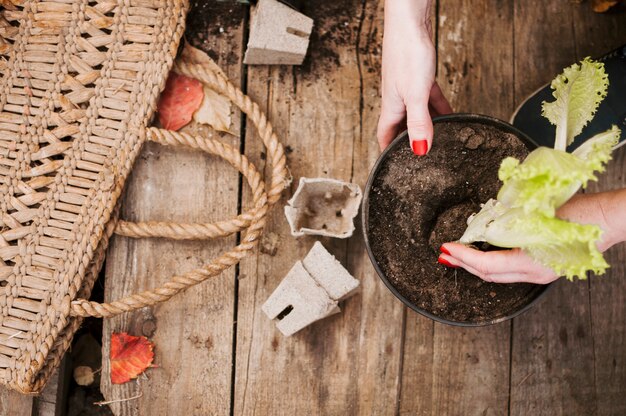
{"type": "Point", "coordinates": [79, 85]}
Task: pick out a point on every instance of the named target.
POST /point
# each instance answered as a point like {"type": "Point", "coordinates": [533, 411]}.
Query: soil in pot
{"type": "Point", "coordinates": [418, 203]}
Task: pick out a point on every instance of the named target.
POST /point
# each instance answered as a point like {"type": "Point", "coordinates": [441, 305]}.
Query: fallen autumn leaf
{"type": "Point", "coordinates": [181, 97]}
{"type": "Point", "coordinates": [129, 357]}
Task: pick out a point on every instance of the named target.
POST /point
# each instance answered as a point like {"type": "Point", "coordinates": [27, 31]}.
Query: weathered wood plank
{"type": "Point", "coordinates": [595, 35]}
{"type": "Point", "coordinates": [464, 370]}
{"type": "Point", "coordinates": [326, 112]}
{"type": "Point", "coordinates": [553, 345]}
{"type": "Point", "coordinates": [53, 399]}
{"type": "Point", "coordinates": [552, 361]}
{"type": "Point", "coordinates": [417, 359]}
{"type": "Point", "coordinates": [15, 404]}
{"type": "Point", "coordinates": [49, 403]}
{"type": "Point", "coordinates": [608, 311]}
{"type": "Point", "coordinates": [192, 332]}
{"type": "Point", "coordinates": [417, 388]}
{"type": "Point", "coordinates": [381, 316]}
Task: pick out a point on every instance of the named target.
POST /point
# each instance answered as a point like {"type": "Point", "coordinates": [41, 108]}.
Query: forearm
{"type": "Point", "coordinates": [614, 210]}
{"type": "Point", "coordinates": [409, 93]}
{"type": "Point", "coordinates": [604, 209]}
{"type": "Point", "coordinates": [407, 15]}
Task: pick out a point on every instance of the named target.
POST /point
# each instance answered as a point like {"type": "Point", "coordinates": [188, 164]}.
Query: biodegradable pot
{"type": "Point", "coordinates": [413, 204]}
{"type": "Point", "coordinates": [323, 206]}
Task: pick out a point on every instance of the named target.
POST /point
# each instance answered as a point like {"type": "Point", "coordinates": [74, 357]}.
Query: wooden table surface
{"type": "Point", "coordinates": [217, 353]}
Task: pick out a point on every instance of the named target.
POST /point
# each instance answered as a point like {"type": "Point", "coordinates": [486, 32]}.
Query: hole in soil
{"type": "Point", "coordinates": [338, 214]}
{"type": "Point", "coordinates": [450, 224]}
{"type": "Point", "coordinates": [417, 204]}
{"type": "Point", "coordinates": [285, 312]}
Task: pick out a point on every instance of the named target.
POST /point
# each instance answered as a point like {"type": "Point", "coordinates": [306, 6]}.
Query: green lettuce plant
{"type": "Point", "coordinates": [524, 213]}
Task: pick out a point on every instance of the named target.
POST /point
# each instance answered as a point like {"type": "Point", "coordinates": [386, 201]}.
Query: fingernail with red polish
{"type": "Point", "coordinates": [444, 250]}
{"type": "Point", "coordinates": [446, 263]}
{"type": "Point", "coordinates": [420, 147]}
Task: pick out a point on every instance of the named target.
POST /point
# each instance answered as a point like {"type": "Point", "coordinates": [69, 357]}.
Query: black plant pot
{"type": "Point", "coordinates": [534, 293]}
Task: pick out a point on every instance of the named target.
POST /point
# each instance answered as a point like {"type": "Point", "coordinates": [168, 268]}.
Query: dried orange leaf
{"type": "Point", "coordinates": [181, 97]}
{"type": "Point", "coordinates": [601, 6]}
{"type": "Point", "coordinates": [130, 356]}
{"type": "Point", "coordinates": [214, 111]}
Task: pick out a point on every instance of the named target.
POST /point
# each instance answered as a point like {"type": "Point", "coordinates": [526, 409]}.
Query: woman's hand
{"type": "Point", "coordinates": [509, 266]}
{"type": "Point", "coordinates": [410, 95]}
{"type": "Point", "coordinates": [506, 266]}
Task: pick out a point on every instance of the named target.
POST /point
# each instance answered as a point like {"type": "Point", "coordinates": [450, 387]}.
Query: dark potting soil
{"type": "Point", "coordinates": [212, 26]}
{"type": "Point", "coordinates": [418, 203]}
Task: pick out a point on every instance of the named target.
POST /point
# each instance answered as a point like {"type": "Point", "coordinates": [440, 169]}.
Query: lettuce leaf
{"type": "Point", "coordinates": [477, 223]}
{"type": "Point", "coordinates": [578, 92]}
{"type": "Point", "coordinates": [524, 213]}
{"type": "Point", "coordinates": [567, 248]}
{"type": "Point", "coordinates": [548, 178]}
{"type": "Point", "coordinates": [544, 181]}
{"type": "Point", "coordinates": [597, 150]}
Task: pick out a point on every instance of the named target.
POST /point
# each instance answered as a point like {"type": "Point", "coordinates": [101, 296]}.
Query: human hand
{"type": "Point", "coordinates": [503, 266]}
{"type": "Point", "coordinates": [511, 266]}
{"type": "Point", "coordinates": [410, 95]}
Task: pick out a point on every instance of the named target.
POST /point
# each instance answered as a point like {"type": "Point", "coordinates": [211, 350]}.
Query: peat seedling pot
{"type": "Point", "coordinates": [414, 204]}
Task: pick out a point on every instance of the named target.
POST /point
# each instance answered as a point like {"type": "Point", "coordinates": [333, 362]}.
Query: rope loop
{"type": "Point", "coordinates": [251, 222]}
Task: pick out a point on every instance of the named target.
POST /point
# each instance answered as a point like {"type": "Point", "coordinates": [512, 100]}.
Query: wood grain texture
{"type": "Point", "coordinates": [597, 34]}
{"type": "Point", "coordinates": [192, 332]}
{"type": "Point", "coordinates": [326, 111]}
{"type": "Point", "coordinates": [417, 389]}
{"type": "Point", "coordinates": [552, 355]}
{"type": "Point", "coordinates": [15, 404]}
{"type": "Point", "coordinates": [544, 43]}
{"type": "Point", "coordinates": [49, 403]}
{"type": "Point", "coordinates": [53, 399]}
{"type": "Point", "coordinates": [608, 311]}
{"type": "Point", "coordinates": [564, 357]}
{"type": "Point", "coordinates": [475, 56]}
{"type": "Point", "coordinates": [556, 345]}
{"type": "Point", "coordinates": [417, 360]}
{"type": "Point", "coordinates": [552, 344]}
{"type": "Point", "coordinates": [464, 371]}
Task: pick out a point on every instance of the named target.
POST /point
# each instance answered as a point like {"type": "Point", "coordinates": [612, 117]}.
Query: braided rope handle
{"type": "Point", "coordinates": [185, 231]}
{"type": "Point", "coordinates": [279, 175]}
{"type": "Point", "coordinates": [252, 221]}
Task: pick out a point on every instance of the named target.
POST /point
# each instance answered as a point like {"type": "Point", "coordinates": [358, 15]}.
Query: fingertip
{"type": "Point", "coordinates": [446, 261]}
{"type": "Point", "coordinates": [420, 128]}
{"type": "Point", "coordinates": [420, 137]}
{"type": "Point", "coordinates": [453, 248]}
{"type": "Point", "coordinates": [420, 147]}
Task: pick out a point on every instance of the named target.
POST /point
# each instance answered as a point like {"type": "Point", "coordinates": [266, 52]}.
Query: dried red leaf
{"type": "Point", "coordinates": [130, 356]}
{"type": "Point", "coordinates": [181, 98]}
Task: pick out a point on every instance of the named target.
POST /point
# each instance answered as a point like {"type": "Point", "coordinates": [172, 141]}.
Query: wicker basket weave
{"type": "Point", "coordinates": [80, 81]}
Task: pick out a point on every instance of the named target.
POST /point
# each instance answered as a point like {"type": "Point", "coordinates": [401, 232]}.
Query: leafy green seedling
{"type": "Point", "coordinates": [524, 213]}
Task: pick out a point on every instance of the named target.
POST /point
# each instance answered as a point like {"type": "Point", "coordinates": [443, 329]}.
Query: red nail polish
{"type": "Point", "coordinates": [446, 263]}
{"type": "Point", "coordinates": [420, 147]}
{"type": "Point", "coordinates": [444, 250]}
